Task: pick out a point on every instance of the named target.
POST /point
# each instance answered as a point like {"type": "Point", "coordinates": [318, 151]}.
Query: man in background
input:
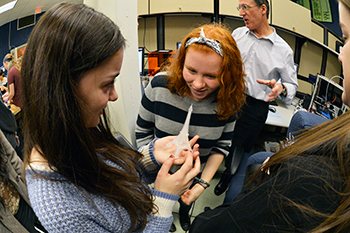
{"type": "Point", "coordinates": [267, 59]}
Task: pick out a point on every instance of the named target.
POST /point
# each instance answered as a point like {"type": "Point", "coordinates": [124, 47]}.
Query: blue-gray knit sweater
{"type": "Point", "coordinates": [63, 207]}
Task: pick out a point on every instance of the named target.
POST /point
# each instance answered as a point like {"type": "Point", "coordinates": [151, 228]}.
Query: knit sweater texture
{"type": "Point", "coordinates": [63, 207]}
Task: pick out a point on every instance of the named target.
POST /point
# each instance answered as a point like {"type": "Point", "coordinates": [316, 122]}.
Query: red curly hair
{"type": "Point", "coordinates": [230, 94]}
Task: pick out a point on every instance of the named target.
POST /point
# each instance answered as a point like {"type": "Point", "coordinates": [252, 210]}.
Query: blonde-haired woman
{"type": "Point", "coordinates": [13, 79]}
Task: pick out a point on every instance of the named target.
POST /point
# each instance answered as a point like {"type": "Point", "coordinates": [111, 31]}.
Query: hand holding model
{"type": "Point", "coordinates": [181, 141]}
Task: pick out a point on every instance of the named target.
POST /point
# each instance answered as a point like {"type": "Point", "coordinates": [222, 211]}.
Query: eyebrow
{"type": "Point", "coordinates": [115, 75]}
{"type": "Point", "coordinates": [209, 74]}
{"type": "Point", "coordinates": [111, 78]}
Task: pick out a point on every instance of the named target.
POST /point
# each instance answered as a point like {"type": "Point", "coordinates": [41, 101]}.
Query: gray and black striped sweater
{"type": "Point", "coordinates": [163, 113]}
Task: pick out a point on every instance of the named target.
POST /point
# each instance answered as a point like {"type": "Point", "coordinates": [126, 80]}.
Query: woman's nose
{"type": "Point", "coordinates": [199, 82]}
{"type": "Point", "coordinates": [113, 96]}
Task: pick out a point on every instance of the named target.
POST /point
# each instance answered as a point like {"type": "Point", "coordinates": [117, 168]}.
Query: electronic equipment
{"type": "Point", "coordinates": [141, 60]}
{"type": "Point", "coordinates": [158, 59]}
{"type": "Point", "coordinates": [326, 98]}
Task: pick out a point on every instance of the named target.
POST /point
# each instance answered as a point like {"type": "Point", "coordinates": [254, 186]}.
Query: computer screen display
{"type": "Point", "coordinates": [141, 59]}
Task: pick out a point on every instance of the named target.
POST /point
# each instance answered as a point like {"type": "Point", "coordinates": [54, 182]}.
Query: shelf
{"type": "Point", "coordinates": [181, 6]}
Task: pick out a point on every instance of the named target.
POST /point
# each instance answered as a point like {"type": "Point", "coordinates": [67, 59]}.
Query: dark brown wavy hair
{"type": "Point", "coordinates": [230, 95]}
{"type": "Point", "coordinates": [69, 40]}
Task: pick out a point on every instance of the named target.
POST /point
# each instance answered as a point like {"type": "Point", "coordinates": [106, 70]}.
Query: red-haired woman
{"type": "Point", "coordinates": [207, 73]}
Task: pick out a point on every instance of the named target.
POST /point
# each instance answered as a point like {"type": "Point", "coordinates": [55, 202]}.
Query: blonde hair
{"type": "Point", "coordinates": [13, 62]}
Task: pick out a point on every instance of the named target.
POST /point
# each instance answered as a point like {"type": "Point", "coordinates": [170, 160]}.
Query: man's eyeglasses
{"type": "Point", "coordinates": [245, 7]}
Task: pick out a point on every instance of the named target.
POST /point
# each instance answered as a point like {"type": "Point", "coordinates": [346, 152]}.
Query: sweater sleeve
{"type": "Point", "coordinates": [64, 207]}
{"type": "Point", "coordinates": [162, 219]}
{"type": "Point", "coordinates": [149, 163]}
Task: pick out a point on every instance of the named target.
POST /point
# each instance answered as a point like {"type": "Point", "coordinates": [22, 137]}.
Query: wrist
{"type": "Point", "coordinates": [201, 182]}
{"type": "Point", "coordinates": [201, 186]}
{"type": "Point", "coordinates": [284, 90]}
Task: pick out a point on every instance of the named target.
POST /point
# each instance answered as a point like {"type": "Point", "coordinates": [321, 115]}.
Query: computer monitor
{"type": "Point", "coordinates": [141, 60]}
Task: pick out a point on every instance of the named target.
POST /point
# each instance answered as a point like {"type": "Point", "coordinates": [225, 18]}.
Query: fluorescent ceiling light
{"type": "Point", "coordinates": [7, 6]}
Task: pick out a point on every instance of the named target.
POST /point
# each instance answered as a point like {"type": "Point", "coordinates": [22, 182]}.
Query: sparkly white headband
{"type": "Point", "coordinates": [213, 44]}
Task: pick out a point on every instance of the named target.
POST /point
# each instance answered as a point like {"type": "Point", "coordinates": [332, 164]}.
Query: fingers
{"type": "Point", "coordinates": [188, 169]}
{"type": "Point", "coordinates": [197, 165]}
{"type": "Point", "coordinates": [194, 140]}
{"type": "Point", "coordinates": [272, 95]}
{"type": "Point", "coordinates": [183, 154]}
{"type": "Point", "coordinates": [164, 170]}
{"type": "Point", "coordinates": [269, 99]}
{"type": "Point", "coordinates": [195, 151]}
{"type": "Point", "coordinates": [273, 82]}
{"type": "Point", "coordinates": [262, 81]}
{"type": "Point", "coordinates": [195, 168]}
{"type": "Point", "coordinates": [180, 181]}
{"type": "Point", "coordinates": [270, 83]}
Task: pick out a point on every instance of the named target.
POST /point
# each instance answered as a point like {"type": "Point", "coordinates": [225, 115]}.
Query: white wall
{"type": "Point", "coordinates": [124, 111]}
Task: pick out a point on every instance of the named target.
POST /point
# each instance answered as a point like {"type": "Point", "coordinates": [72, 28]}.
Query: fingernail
{"type": "Point", "coordinates": [171, 156]}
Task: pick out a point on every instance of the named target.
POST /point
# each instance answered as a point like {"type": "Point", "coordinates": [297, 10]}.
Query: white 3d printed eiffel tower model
{"type": "Point", "coordinates": [181, 141]}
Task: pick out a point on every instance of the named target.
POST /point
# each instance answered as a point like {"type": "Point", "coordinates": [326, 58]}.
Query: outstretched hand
{"type": "Point", "coordinates": [180, 181]}
{"type": "Point", "coordinates": [276, 88]}
{"type": "Point", "coordinates": [162, 151]}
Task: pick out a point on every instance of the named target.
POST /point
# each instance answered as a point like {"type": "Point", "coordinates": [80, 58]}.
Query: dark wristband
{"type": "Point", "coordinates": [284, 91]}
{"type": "Point", "coordinates": [202, 182]}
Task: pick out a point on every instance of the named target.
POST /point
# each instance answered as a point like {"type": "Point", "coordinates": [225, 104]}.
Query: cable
{"type": "Point", "coordinates": [326, 94]}
{"type": "Point", "coordinates": [194, 204]}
